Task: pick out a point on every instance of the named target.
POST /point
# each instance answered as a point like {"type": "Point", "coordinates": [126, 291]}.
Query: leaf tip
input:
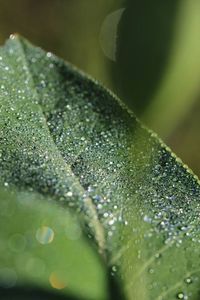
{"type": "Point", "coordinates": [14, 36]}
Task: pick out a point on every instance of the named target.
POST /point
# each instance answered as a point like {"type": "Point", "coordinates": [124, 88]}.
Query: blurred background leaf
{"type": "Point", "coordinates": [144, 38]}
{"type": "Point", "coordinates": [157, 70]}
{"type": "Point", "coordinates": [148, 52]}
{"type": "Point", "coordinates": [42, 246]}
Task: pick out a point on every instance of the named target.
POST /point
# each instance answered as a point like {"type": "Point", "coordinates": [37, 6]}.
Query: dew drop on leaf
{"type": "Point", "coordinates": [56, 280]}
{"type": "Point", "coordinates": [45, 235]}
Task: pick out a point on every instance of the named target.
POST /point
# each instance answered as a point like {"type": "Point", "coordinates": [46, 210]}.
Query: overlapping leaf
{"type": "Point", "coordinates": [157, 66]}
{"type": "Point", "coordinates": [42, 248]}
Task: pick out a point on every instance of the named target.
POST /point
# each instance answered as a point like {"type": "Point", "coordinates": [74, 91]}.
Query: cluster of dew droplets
{"type": "Point", "coordinates": [123, 173]}
{"type": "Point", "coordinates": [141, 194]}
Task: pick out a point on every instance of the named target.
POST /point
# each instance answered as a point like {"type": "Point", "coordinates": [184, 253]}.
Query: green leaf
{"type": "Point", "coordinates": [65, 137]}
{"type": "Point", "coordinates": [42, 246]}
{"type": "Point", "coordinates": [157, 66]}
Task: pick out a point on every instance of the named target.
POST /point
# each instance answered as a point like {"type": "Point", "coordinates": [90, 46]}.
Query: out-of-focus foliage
{"type": "Point", "coordinates": [145, 35]}
{"type": "Point", "coordinates": [68, 28]}
{"type": "Point", "coordinates": [157, 70]}
{"type": "Point", "coordinates": [186, 138]}
{"type": "Point", "coordinates": [42, 246]}
{"type": "Point", "coordinates": [158, 60]}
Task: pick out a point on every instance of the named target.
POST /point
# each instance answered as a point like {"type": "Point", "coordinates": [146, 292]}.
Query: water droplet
{"type": "Point", "coordinates": [111, 222]}
{"type": "Point", "coordinates": [151, 271]}
{"type": "Point", "coordinates": [147, 219]}
{"type": "Point", "coordinates": [12, 36]}
{"type": "Point", "coordinates": [114, 268]}
{"type": "Point", "coordinates": [45, 235]}
{"type": "Point", "coordinates": [180, 296]}
{"type": "Point", "coordinates": [56, 280]}
{"type": "Point", "coordinates": [157, 255]}
{"type": "Point", "coordinates": [49, 54]}
{"type": "Point", "coordinates": [33, 59]}
{"type": "Point", "coordinates": [188, 280]}
{"type": "Point", "coordinates": [69, 194]}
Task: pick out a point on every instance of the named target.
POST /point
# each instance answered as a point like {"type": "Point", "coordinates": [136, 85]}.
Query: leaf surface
{"type": "Point", "coordinates": [65, 137]}
{"type": "Point", "coordinates": [43, 248]}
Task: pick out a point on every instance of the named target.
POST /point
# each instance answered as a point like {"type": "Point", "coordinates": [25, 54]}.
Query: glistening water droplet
{"type": "Point", "coordinates": [45, 235]}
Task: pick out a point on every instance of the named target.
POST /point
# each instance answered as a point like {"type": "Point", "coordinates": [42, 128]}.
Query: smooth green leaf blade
{"type": "Point", "coordinates": [64, 135]}
{"type": "Point", "coordinates": [42, 246]}
{"type": "Point", "coordinates": [144, 37]}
